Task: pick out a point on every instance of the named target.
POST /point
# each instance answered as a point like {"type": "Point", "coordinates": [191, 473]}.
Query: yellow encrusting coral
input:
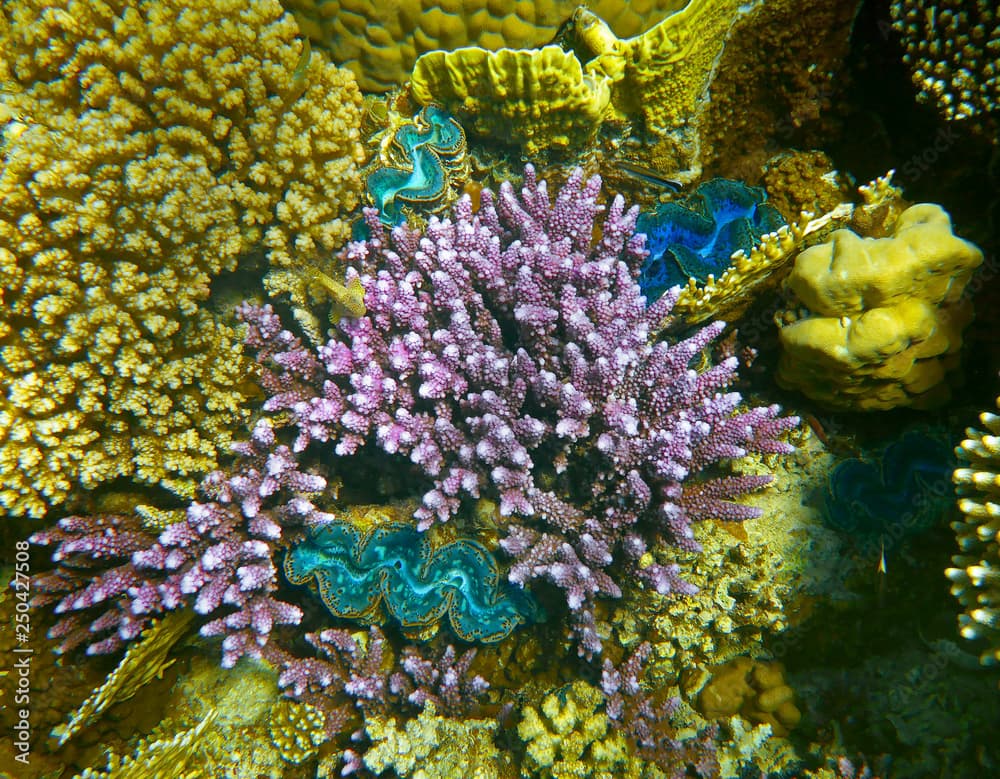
{"type": "Point", "coordinates": [569, 735]}
{"type": "Point", "coordinates": [740, 603]}
{"type": "Point", "coordinates": [666, 74]}
{"type": "Point", "coordinates": [434, 747]}
{"type": "Point", "coordinates": [148, 145]}
{"type": "Point", "coordinates": [876, 323]}
{"type": "Point", "coordinates": [976, 575]}
{"type": "Point", "coordinates": [537, 98]}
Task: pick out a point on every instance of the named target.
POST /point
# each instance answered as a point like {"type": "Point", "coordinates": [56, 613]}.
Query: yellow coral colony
{"type": "Point", "coordinates": [145, 146]}
{"type": "Point", "coordinates": [877, 322]}
{"type": "Point", "coordinates": [538, 98]}
{"type": "Point", "coordinates": [569, 735]}
{"type": "Point", "coordinates": [976, 575]}
{"type": "Point", "coordinates": [666, 76]}
{"type": "Point", "coordinates": [544, 98]}
{"type": "Point", "coordinates": [380, 41]}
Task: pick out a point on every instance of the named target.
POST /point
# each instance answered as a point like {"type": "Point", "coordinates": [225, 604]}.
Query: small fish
{"type": "Point", "coordinates": [882, 576]}
{"type": "Point", "coordinates": [648, 175]}
{"type": "Point", "coordinates": [302, 66]}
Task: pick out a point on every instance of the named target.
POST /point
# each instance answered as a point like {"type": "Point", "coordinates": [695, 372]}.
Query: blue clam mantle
{"type": "Point", "coordinates": [397, 566]}
{"type": "Point", "coordinates": [695, 237]}
{"type": "Point", "coordinates": [907, 487]}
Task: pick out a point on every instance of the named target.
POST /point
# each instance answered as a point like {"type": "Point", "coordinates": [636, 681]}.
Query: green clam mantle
{"type": "Point", "coordinates": [418, 583]}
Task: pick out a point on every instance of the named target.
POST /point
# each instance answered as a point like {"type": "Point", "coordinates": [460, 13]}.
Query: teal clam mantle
{"type": "Point", "coordinates": [424, 157]}
{"type": "Point", "coordinates": [397, 565]}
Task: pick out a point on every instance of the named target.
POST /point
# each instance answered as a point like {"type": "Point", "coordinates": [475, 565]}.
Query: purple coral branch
{"type": "Point", "coordinates": [505, 355]}
{"type": "Point", "coordinates": [444, 680]}
{"type": "Point", "coordinates": [219, 559]}
{"type": "Point", "coordinates": [645, 719]}
{"type": "Point", "coordinates": [354, 675]}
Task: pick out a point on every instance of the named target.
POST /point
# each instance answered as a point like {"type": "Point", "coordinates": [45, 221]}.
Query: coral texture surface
{"type": "Point", "coordinates": [147, 146]}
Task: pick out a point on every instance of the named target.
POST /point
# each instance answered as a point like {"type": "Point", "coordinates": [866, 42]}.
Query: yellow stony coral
{"type": "Point", "coordinates": [743, 592]}
{"type": "Point", "coordinates": [435, 747]}
{"type": "Point", "coordinates": [174, 757]}
{"type": "Point", "coordinates": [545, 98]}
{"type": "Point", "coordinates": [568, 735]}
{"type": "Point", "coordinates": [976, 575]}
{"type": "Point", "coordinates": [380, 41]}
{"type": "Point", "coordinates": [797, 181]}
{"type": "Point", "coordinates": [297, 730]}
{"type": "Point", "coordinates": [877, 322]}
{"type": "Point", "coordinates": [953, 51]}
{"type": "Point", "coordinates": [147, 145]}
{"type": "Point", "coordinates": [754, 689]}
{"type": "Point", "coordinates": [666, 76]}
{"type": "Point", "coordinates": [537, 98]}
{"type": "Point", "coordinates": [144, 661]}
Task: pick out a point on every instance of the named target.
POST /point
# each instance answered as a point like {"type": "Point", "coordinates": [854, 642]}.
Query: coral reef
{"type": "Point", "coordinates": [113, 575]}
{"type": "Point", "coordinates": [951, 49]}
{"type": "Point", "coordinates": [429, 374]}
{"type": "Point", "coordinates": [506, 507]}
{"type": "Point", "coordinates": [417, 583]}
{"type": "Point", "coordinates": [568, 735]}
{"type": "Point", "coordinates": [430, 746]}
{"type": "Point", "coordinates": [694, 236]}
{"type": "Point", "coordinates": [538, 99]}
{"type": "Point", "coordinates": [976, 575]}
{"type": "Point", "coordinates": [908, 485]}
{"type": "Point", "coordinates": [144, 661]}
{"type": "Point", "coordinates": [754, 689]}
{"type": "Point", "coordinates": [381, 41]}
{"type": "Point", "coordinates": [876, 323]}
{"type": "Point", "coordinates": [147, 146]}
{"type": "Point", "coordinates": [423, 164]}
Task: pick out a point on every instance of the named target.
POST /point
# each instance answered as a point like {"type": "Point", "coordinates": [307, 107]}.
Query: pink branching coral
{"type": "Point", "coordinates": [219, 559]}
{"type": "Point", "coordinates": [508, 355]}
